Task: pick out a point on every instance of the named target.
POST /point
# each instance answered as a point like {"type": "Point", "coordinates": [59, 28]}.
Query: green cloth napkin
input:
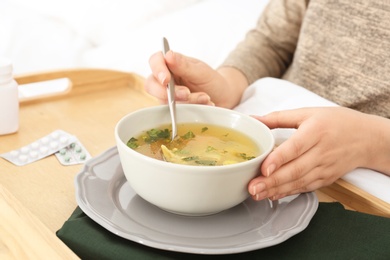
{"type": "Point", "coordinates": [333, 233]}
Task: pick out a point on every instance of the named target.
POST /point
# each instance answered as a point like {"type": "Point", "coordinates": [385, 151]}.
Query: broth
{"type": "Point", "coordinates": [196, 144]}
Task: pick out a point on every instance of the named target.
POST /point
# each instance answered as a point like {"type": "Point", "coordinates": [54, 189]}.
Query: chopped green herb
{"type": "Point", "coordinates": [206, 162]}
{"type": "Point", "coordinates": [154, 135]}
{"type": "Point", "coordinates": [132, 143]}
{"type": "Point", "coordinates": [204, 129]}
{"type": "Point", "coordinates": [210, 148]}
{"type": "Point", "coordinates": [181, 152]}
{"type": "Point", "coordinates": [188, 135]}
{"type": "Point", "coordinates": [245, 157]}
{"type": "Point", "coordinates": [191, 158]}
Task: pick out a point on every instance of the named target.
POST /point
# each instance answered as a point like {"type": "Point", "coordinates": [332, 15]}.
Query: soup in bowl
{"type": "Point", "coordinates": [198, 144]}
{"type": "Point", "coordinates": [208, 166]}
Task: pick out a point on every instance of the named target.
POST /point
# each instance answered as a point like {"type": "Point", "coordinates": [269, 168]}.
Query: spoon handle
{"type": "Point", "coordinates": [171, 94]}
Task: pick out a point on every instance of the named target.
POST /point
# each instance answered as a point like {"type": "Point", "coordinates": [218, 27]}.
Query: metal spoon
{"type": "Point", "coordinates": [171, 94]}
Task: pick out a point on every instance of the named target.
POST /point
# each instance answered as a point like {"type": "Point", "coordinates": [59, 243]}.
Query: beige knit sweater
{"type": "Point", "coordinates": [339, 49]}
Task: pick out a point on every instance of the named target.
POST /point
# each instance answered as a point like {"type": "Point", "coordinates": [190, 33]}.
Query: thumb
{"type": "Point", "coordinates": [284, 119]}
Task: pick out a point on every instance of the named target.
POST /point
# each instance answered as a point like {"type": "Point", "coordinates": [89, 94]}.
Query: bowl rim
{"type": "Point", "coordinates": [196, 167]}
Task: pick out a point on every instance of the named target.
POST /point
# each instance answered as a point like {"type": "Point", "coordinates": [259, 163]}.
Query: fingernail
{"type": "Point", "coordinates": [270, 169]}
{"type": "Point", "coordinates": [260, 196]}
{"type": "Point", "coordinates": [203, 99]}
{"type": "Point", "coordinates": [161, 77]}
{"type": "Point", "coordinates": [278, 197]}
{"type": "Point", "coordinates": [176, 57]}
{"type": "Point", "coordinates": [257, 188]}
{"type": "Point", "coordinates": [182, 94]}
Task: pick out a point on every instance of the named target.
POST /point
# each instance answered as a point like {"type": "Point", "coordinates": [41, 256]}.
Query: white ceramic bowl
{"type": "Point", "coordinates": [185, 189]}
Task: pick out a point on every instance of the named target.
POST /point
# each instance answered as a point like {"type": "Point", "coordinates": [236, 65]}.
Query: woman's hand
{"type": "Point", "coordinates": [196, 82]}
{"type": "Point", "coordinates": [328, 143]}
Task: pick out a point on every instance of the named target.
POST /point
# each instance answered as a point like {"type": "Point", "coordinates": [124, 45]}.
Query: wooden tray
{"type": "Point", "coordinates": [90, 109]}
{"type": "Point", "coordinates": [357, 199]}
{"type": "Point", "coordinates": [36, 199]}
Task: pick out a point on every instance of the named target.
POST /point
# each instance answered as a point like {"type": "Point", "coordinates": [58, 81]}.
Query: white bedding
{"type": "Point", "coordinates": [43, 35]}
{"type": "Point", "coordinates": [119, 34]}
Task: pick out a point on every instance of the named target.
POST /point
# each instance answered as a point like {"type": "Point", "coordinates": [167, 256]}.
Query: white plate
{"type": "Point", "coordinates": [103, 193]}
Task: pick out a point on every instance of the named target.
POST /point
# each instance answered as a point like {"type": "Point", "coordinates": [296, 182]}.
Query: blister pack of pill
{"type": "Point", "coordinates": [40, 148]}
{"type": "Point", "coordinates": [75, 153]}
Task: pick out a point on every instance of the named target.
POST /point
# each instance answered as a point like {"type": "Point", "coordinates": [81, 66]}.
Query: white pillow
{"type": "Point", "coordinates": [208, 30]}
{"type": "Point", "coordinates": [36, 43]}
{"type": "Point", "coordinates": [96, 19]}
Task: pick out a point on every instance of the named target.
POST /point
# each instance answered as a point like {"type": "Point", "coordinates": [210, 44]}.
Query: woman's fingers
{"type": "Point", "coordinates": [284, 182]}
{"type": "Point", "coordinates": [186, 70]}
{"type": "Point", "coordinates": [316, 155]}
{"type": "Point", "coordinates": [200, 98]}
{"type": "Point", "coordinates": [290, 166]}
{"type": "Point", "coordinates": [296, 175]}
{"type": "Point", "coordinates": [284, 119]}
{"type": "Point", "coordinates": [154, 88]}
{"type": "Point", "coordinates": [288, 151]}
{"type": "Point", "coordinates": [159, 68]}
{"type": "Point", "coordinates": [182, 94]}
{"type": "Point", "coordinates": [300, 142]}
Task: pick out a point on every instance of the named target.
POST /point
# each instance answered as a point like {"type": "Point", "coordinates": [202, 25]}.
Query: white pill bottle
{"type": "Point", "coordinates": [9, 99]}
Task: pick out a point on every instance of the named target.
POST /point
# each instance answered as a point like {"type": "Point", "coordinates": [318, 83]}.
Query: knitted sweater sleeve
{"type": "Point", "coordinates": [268, 49]}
